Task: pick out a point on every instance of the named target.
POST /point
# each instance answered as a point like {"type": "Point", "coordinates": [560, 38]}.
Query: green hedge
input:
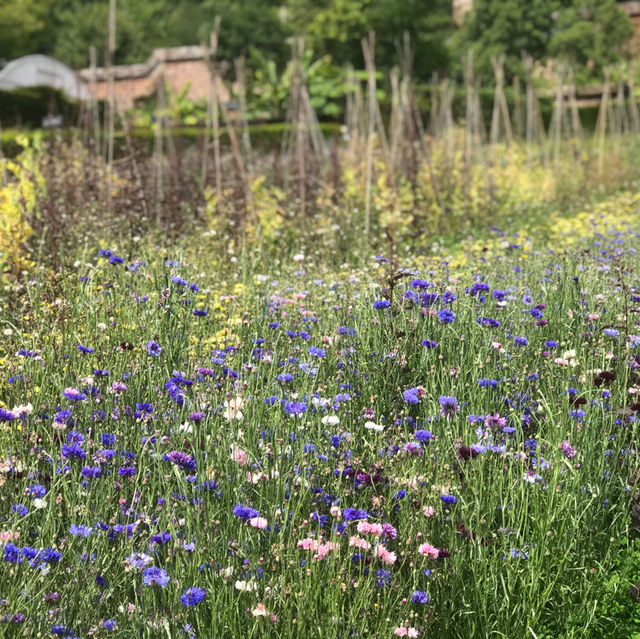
{"type": "Point", "coordinates": [27, 107]}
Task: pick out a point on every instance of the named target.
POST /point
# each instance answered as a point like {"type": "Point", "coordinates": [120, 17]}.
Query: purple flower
{"type": "Point", "coordinates": [73, 450]}
{"type": "Point", "coordinates": [36, 490]}
{"type": "Point", "coordinates": [245, 512]}
{"type": "Point", "coordinates": [153, 348]}
{"type": "Point", "coordinates": [384, 577]}
{"type": "Point", "coordinates": [352, 514]}
{"type": "Point", "coordinates": [161, 539]}
{"type": "Point", "coordinates": [192, 596]}
{"type": "Point", "coordinates": [73, 394]}
{"type": "Point", "coordinates": [446, 316]}
{"type": "Point", "coordinates": [411, 395]}
{"type": "Point", "coordinates": [139, 560]}
{"type": "Point", "coordinates": [495, 421]}
{"type": "Point", "coordinates": [448, 406]}
{"type": "Point", "coordinates": [569, 451]}
{"type": "Point", "coordinates": [180, 459]}
{"type": "Point", "coordinates": [155, 577]}
{"type": "Point", "coordinates": [423, 436]}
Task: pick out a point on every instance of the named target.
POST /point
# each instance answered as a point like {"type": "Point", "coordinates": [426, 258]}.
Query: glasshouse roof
{"type": "Point", "coordinates": [41, 70]}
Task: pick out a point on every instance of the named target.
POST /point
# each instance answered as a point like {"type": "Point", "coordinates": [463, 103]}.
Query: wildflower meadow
{"type": "Point", "coordinates": [425, 445]}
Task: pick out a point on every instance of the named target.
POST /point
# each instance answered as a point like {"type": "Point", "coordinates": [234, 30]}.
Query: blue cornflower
{"type": "Point", "coordinates": [36, 490]}
{"type": "Point", "coordinates": [317, 352]}
{"type": "Point", "coordinates": [448, 499]}
{"type": "Point", "coordinates": [551, 343]}
{"type": "Point", "coordinates": [612, 332]}
{"type": "Point", "coordinates": [521, 341]}
{"type": "Point", "coordinates": [352, 514]}
{"type": "Point", "coordinates": [80, 531]}
{"type": "Point", "coordinates": [448, 406]}
{"type": "Point", "coordinates": [20, 509]}
{"type": "Point", "coordinates": [245, 512]}
{"type": "Point", "coordinates": [85, 349]}
{"type": "Point", "coordinates": [11, 553]}
{"type": "Point", "coordinates": [420, 597]}
{"type": "Point", "coordinates": [381, 304]}
{"type": "Point", "coordinates": [192, 596]}
{"type": "Point", "coordinates": [478, 287]}
{"type": "Point", "coordinates": [411, 396]}
{"type": "Point", "coordinates": [139, 560]}
{"type": "Point", "coordinates": [153, 348]}
{"type": "Point", "coordinates": [428, 343]}
{"type": "Point", "coordinates": [73, 450]}
{"type": "Point", "coordinates": [155, 577]}
{"type": "Point", "coordinates": [384, 577]}
{"type": "Point", "coordinates": [446, 316]}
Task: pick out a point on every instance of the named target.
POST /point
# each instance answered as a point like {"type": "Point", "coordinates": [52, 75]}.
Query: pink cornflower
{"type": "Point", "coordinates": [258, 522]}
{"type": "Point", "coordinates": [238, 455]}
{"type": "Point", "coordinates": [402, 631]}
{"type": "Point", "coordinates": [371, 528]}
{"type": "Point", "coordinates": [308, 544]}
{"type": "Point", "coordinates": [9, 535]}
{"type": "Point", "coordinates": [325, 549]}
{"type": "Point", "coordinates": [429, 511]}
{"type": "Point", "coordinates": [429, 550]}
{"type": "Point", "coordinates": [386, 556]}
{"type": "Point", "coordinates": [359, 542]}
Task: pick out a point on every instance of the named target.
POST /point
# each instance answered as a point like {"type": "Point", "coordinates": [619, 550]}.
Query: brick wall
{"type": "Point", "coordinates": [178, 68]}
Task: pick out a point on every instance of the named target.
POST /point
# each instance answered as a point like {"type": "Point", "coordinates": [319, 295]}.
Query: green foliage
{"type": "Point", "coordinates": [24, 26]}
{"type": "Point", "coordinates": [590, 35]}
{"type": "Point", "coordinates": [585, 33]}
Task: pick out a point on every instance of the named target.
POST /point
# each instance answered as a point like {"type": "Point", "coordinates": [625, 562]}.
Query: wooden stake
{"type": "Point", "coordinates": [602, 120]}
{"type": "Point", "coordinates": [368, 49]}
{"type": "Point", "coordinates": [111, 99]}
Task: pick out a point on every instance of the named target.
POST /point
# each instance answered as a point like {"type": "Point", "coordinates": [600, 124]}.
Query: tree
{"type": "Point", "coordinates": [590, 35]}
{"type": "Point", "coordinates": [509, 27]}
{"type": "Point", "coordinates": [24, 27]}
{"type": "Point", "coordinates": [339, 25]}
{"type": "Point", "coordinates": [245, 24]}
{"type": "Point", "coordinates": [581, 31]}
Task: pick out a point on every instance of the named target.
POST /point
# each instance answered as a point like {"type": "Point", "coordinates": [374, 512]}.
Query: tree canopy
{"type": "Point", "coordinates": [589, 34]}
